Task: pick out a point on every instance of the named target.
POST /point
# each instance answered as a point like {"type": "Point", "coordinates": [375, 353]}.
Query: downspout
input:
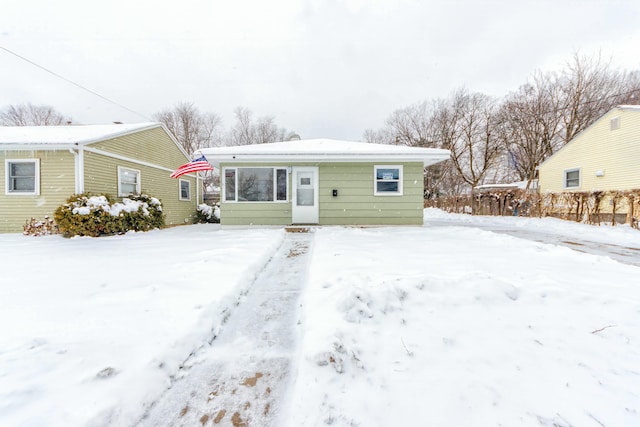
{"type": "Point", "coordinates": [197, 190]}
{"type": "Point", "coordinates": [78, 169]}
{"type": "Point", "coordinates": [80, 179]}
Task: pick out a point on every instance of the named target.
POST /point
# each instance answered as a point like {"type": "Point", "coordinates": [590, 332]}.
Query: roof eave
{"type": "Point", "coordinates": [426, 159]}
{"type": "Point", "coordinates": [37, 147]}
{"type": "Point", "coordinates": [108, 136]}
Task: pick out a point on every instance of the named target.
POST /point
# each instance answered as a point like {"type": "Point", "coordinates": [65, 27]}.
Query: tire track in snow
{"type": "Point", "coordinates": [243, 378]}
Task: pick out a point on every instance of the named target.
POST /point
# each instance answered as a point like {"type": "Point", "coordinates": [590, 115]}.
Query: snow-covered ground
{"type": "Point", "coordinates": [92, 329]}
{"type": "Point", "coordinates": [438, 325]}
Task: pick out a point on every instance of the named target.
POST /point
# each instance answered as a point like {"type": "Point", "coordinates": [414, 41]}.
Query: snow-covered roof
{"type": "Point", "coordinates": [46, 136]}
{"type": "Point", "coordinates": [522, 185]}
{"type": "Point", "coordinates": [629, 107]}
{"type": "Point", "coordinates": [323, 150]}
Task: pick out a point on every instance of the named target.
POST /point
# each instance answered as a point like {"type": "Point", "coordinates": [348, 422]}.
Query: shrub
{"type": "Point", "coordinates": [36, 227]}
{"type": "Point", "coordinates": [91, 215]}
{"type": "Point", "coordinates": [206, 214]}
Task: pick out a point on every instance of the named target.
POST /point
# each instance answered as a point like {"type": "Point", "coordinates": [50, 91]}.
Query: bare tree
{"type": "Point", "coordinates": [32, 115]}
{"type": "Point", "coordinates": [246, 131]}
{"type": "Point", "coordinates": [192, 129]}
{"type": "Point", "coordinates": [589, 88]}
{"type": "Point", "coordinates": [413, 125]}
{"type": "Point", "coordinates": [265, 131]}
{"type": "Point", "coordinates": [242, 131]}
{"type": "Point", "coordinates": [212, 132]}
{"type": "Point", "coordinates": [467, 126]}
{"type": "Point", "coordinates": [631, 89]}
{"type": "Point", "coordinates": [494, 141]}
{"type": "Point", "coordinates": [379, 136]}
{"type": "Point", "coordinates": [530, 124]}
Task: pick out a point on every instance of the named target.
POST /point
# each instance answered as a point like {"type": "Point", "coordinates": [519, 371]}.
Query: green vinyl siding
{"type": "Point", "coordinates": [354, 205]}
{"type": "Point", "coordinates": [57, 183]}
{"type": "Point", "coordinates": [357, 205]}
{"type": "Point", "coordinates": [101, 176]}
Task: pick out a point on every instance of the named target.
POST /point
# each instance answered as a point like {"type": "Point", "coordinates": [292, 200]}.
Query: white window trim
{"type": "Point", "coordinates": [564, 178]}
{"type": "Point", "coordinates": [36, 191]}
{"type": "Point", "coordinates": [223, 192]}
{"type": "Point", "coordinates": [375, 180]}
{"type": "Point", "coordinates": [188, 199]}
{"type": "Point", "coordinates": [138, 184]}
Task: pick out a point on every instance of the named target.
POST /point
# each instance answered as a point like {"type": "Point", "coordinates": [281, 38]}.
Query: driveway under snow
{"type": "Point", "coordinates": [440, 325]}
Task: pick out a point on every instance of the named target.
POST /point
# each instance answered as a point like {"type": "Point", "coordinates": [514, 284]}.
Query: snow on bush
{"type": "Point", "coordinates": [95, 215]}
{"type": "Point", "coordinates": [207, 214]}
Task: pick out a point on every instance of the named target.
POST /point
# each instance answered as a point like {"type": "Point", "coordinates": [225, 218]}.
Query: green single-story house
{"type": "Point", "coordinates": [322, 182]}
{"type": "Point", "coordinates": [41, 166]}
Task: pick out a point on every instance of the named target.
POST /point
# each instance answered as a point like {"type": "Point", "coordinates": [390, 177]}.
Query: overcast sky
{"type": "Point", "coordinates": [322, 68]}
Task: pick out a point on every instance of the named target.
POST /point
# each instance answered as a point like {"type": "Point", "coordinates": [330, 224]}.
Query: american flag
{"type": "Point", "coordinates": [199, 164]}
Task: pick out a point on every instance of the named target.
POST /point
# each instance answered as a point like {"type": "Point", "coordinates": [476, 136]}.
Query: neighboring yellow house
{"type": "Point", "coordinates": [603, 157]}
{"type": "Point", "coordinates": [41, 166]}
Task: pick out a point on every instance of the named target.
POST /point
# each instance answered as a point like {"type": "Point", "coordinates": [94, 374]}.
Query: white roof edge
{"type": "Point", "coordinates": [427, 159]}
{"type": "Point", "coordinates": [37, 147]}
{"type": "Point", "coordinates": [323, 150]}
{"type": "Point", "coordinates": [91, 140]}
{"type": "Point", "coordinates": [46, 143]}
{"type": "Point", "coordinates": [629, 107]}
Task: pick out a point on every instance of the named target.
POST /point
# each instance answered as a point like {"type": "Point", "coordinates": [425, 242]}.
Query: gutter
{"type": "Point", "coordinates": [427, 160]}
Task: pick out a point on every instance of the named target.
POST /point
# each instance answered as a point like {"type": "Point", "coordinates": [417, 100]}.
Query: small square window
{"type": "Point", "coordinates": [387, 180]}
{"type": "Point", "coordinates": [572, 178]}
{"type": "Point", "coordinates": [128, 181]}
{"type": "Point", "coordinates": [185, 190]}
{"type": "Point", "coordinates": [22, 176]}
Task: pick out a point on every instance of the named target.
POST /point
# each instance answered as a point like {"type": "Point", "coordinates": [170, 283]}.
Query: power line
{"type": "Point", "coordinates": [73, 83]}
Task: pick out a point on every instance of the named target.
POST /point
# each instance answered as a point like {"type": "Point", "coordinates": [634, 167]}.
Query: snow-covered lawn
{"type": "Point", "coordinates": [443, 326]}
{"type": "Point", "coordinates": [455, 326]}
{"type": "Point", "coordinates": [91, 329]}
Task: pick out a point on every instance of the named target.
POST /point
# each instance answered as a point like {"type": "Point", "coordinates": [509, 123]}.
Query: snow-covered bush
{"type": "Point", "coordinates": [206, 214]}
{"type": "Point", "coordinates": [96, 215]}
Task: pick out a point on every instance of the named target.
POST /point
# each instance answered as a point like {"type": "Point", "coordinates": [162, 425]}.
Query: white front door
{"type": "Point", "coordinates": [304, 207]}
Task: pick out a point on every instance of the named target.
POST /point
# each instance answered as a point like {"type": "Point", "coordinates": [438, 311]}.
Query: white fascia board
{"type": "Point", "coordinates": [107, 136]}
{"type": "Point", "coordinates": [326, 158]}
{"type": "Point", "coordinates": [37, 147]}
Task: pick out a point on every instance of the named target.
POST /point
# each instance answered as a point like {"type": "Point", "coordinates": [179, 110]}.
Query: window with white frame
{"type": "Point", "coordinates": [255, 184]}
{"type": "Point", "coordinates": [22, 176]}
{"type": "Point", "coordinates": [572, 178]}
{"type": "Point", "coordinates": [128, 181]}
{"type": "Point", "coordinates": [185, 189]}
{"type": "Point", "coordinates": [387, 180]}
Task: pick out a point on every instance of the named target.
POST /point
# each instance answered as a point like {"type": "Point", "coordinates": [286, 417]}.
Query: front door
{"type": "Point", "coordinates": [304, 209]}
